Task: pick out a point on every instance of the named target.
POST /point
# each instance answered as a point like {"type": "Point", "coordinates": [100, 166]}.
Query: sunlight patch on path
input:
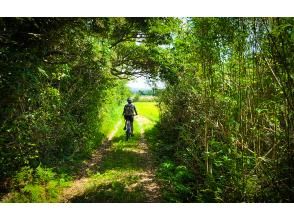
{"type": "Point", "coordinates": [114, 131]}
{"type": "Point", "coordinates": [142, 121]}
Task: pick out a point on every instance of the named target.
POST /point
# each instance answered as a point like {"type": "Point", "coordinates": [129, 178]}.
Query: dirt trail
{"type": "Point", "coordinates": [146, 177]}
{"type": "Point", "coordinates": [78, 186]}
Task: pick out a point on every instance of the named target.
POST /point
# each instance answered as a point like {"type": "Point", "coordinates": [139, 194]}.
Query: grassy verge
{"type": "Point", "coordinates": [110, 118]}
{"type": "Point", "coordinates": [148, 109]}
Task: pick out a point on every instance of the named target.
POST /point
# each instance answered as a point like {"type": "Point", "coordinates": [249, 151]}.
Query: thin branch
{"type": "Point", "coordinates": [272, 71]}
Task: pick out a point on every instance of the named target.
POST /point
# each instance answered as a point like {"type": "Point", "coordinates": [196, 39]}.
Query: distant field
{"type": "Point", "coordinates": [148, 109]}
{"type": "Point", "coordinates": [147, 98]}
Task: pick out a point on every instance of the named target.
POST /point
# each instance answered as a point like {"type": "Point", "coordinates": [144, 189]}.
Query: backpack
{"type": "Point", "coordinates": [129, 109]}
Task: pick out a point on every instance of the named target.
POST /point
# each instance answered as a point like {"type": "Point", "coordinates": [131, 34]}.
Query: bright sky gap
{"type": "Point", "coordinates": [143, 83]}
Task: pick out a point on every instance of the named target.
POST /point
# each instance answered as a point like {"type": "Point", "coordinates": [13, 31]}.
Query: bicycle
{"type": "Point", "coordinates": [128, 129]}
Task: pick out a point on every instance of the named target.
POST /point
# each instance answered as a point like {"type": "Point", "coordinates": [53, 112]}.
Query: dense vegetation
{"type": "Point", "coordinates": [226, 122]}
{"type": "Point", "coordinates": [60, 81]}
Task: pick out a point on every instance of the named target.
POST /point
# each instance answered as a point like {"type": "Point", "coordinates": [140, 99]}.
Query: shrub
{"type": "Point", "coordinates": [36, 185]}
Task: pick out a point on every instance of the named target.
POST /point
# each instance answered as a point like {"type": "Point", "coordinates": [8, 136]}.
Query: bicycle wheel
{"type": "Point", "coordinates": [128, 130]}
{"type": "Point", "coordinates": [127, 135]}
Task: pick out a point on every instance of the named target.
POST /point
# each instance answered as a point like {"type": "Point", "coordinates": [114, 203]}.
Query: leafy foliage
{"type": "Point", "coordinates": [61, 83]}
{"type": "Point", "coordinates": [228, 116]}
{"type": "Point", "coordinates": [226, 122]}
{"type": "Point", "coordinates": [36, 185]}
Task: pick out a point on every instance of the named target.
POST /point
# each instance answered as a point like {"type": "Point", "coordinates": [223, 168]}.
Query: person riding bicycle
{"type": "Point", "coordinates": [128, 113]}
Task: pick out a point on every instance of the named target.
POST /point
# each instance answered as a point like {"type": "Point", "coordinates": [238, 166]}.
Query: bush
{"type": "Point", "coordinates": [36, 185]}
{"type": "Point", "coordinates": [177, 181]}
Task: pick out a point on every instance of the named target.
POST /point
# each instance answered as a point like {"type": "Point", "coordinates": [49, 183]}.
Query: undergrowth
{"type": "Point", "coordinates": [36, 185]}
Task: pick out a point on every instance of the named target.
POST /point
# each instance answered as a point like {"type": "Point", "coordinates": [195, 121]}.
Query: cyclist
{"type": "Point", "coordinates": [128, 113]}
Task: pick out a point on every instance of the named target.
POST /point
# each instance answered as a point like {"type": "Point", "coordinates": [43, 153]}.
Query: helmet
{"type": "Point", "coordinates": [129, 100]}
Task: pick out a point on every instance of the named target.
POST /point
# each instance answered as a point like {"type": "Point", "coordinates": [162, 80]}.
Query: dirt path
{"type": "Point", "coordinates": [147, 178]}
{"type": "Point", "coordinates": [138, 185]}
{"type": "Point", "coordinates": [78, 186]}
